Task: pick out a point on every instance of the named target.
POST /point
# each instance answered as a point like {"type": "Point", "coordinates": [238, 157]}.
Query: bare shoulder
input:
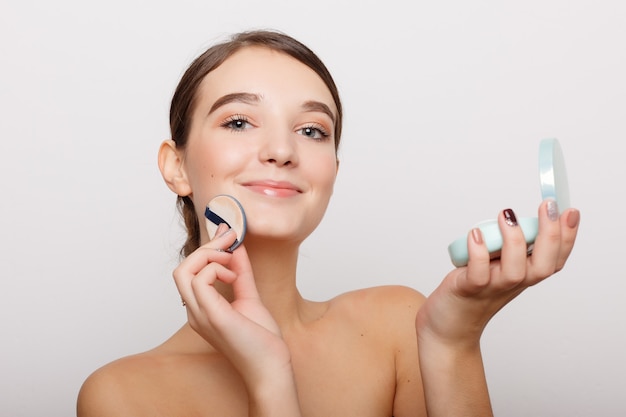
{"type": "Point", "coordinates": [386, 300]}
{"type": "Point", "coordinates": [109, 390]}
{"type": "Point", "coordinates": [162, 381]}
{"type": "Point", "coordinates": [384, 309]}
{"type": "Point", "coordinates": [103, 393]}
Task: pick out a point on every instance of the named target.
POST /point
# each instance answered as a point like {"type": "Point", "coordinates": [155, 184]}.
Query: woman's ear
{"type": "Point", "coordinates": [171, 166]}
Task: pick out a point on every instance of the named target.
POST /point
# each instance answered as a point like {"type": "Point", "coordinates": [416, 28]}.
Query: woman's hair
{"type": "Point", "coordinates": [185, 96]}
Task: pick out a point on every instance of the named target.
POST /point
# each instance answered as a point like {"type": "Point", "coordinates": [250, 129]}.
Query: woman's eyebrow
{"type": "Point", "coordinates": [247, 98]}
{"type": "Point", "coordinates": [317, 106]}
{"type": "Point", "coordinates": [250, 98]}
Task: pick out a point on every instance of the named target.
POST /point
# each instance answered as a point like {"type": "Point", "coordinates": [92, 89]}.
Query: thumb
{"type": "Point", "coordinates": [243, 286]}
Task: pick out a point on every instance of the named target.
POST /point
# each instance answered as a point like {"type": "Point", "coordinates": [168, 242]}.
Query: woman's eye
{"type": "Point", "coordinates": [314, 132]}
{"type": "Point", "coordinates": [236, 123]}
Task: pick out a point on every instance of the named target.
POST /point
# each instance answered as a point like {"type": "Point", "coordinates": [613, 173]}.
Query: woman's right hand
{"type": "Point", "coordinates": [243, 330]}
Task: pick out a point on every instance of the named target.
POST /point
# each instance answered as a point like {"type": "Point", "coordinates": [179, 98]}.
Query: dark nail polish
{"type": "Point", "coordinates": [509, 217]}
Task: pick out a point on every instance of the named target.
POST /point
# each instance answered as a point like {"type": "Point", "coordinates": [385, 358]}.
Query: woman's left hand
{"type": "Point", "coordinates": [460, 308]}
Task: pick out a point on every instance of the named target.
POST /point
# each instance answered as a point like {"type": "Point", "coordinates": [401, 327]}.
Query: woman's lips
{"type": "Point", "coordinates": [273, 188]}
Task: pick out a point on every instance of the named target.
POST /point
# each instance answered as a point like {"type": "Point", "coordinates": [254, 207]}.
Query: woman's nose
{"type": "Point", "coordinates": [279, 149]}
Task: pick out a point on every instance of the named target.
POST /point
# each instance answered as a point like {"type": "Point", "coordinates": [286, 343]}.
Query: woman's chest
{"type": "Point", "coordinates": [332, 380]}
{"type": "Point", "coordinates": [346, 373]}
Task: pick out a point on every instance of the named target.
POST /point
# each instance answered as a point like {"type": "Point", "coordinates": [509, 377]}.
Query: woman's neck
{"type": "Point", "coordinates": [274, 264]}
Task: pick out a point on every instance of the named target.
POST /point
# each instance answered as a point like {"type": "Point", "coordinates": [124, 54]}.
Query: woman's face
{"type": "Point", "coordinates": [263, 132]}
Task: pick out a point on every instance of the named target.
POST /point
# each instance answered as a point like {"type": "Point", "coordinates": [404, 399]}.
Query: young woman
{"type": "Point", "coordinates": [259, 117]}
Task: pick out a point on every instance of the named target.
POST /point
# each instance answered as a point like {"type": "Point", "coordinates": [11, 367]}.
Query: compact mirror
{"type": "Point", "coordinates": [226, 209]}
{"type": "Point", "coordinates": [553, 183]}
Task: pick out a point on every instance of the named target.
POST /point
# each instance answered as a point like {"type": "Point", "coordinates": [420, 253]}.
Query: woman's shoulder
{"type": "Point", "coordinates": [116, 387]}
{"type": "Point", "coordinates": [388, 305]}
{"type": "Point", "coordinates": [108, 389]}
{"type": "Point", "coordinates": [385, 297]}
{"type": "Point", "coordinates": [159, 378]}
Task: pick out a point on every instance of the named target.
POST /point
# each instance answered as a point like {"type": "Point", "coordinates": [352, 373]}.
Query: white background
{"type": "Point", "coordinates": [445, 105]}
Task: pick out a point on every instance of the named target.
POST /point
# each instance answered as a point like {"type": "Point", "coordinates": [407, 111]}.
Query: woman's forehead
{"type": "Point", "coordinates": [267, 73]}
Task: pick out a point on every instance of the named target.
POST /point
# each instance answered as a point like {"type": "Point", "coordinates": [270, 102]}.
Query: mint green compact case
{"type": "Point", "coordinates": [553, 183]}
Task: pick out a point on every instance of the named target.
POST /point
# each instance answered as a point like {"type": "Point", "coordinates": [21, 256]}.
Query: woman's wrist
{"type": "Point", "coordinates": [275, 396]}
{"type": "Point", "coordinates": [464, 340]}
{"type": "Point", "coordinates": [453, 376]}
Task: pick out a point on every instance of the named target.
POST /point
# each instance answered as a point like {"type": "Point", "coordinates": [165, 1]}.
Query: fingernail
{"type": "Point", "coordinates": [573, 218]}
{"type": "Point", "coordinates": [509, 217]}
{"type": "Point", "coordinates": [222, 229]}
{"type": "Point", "coordinates": [477, 236]}
{"type": "Point", "coordinates": [553, 210]}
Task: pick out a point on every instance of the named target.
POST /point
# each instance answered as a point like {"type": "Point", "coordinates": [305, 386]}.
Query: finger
{"type": "Point", "coordinates": [543, 262]}
{"type": "Point", "coordinates": [205, 296]}
{"type": "Point", "coordinates": [477, 273]}
{"type": "Point", "coordinates": [570, 222]}
{"type": "Point", "coordinates": [223, 234]}
{"type": "Point", "coordinates": [514, 250]}
{"type": "Point", "coordinates": [244, 286]}
{"type": "Point", "coordinates": [200, 259]}
{"type": "Point", "coordinates": [184, 277]}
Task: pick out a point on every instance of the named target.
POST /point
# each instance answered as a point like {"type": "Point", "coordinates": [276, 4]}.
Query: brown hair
{"type": "Point", "coordinates": [183, 101]}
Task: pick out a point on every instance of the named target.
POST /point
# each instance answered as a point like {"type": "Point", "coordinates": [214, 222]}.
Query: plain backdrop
{"type": "Point", "coordinates": [445, 105]}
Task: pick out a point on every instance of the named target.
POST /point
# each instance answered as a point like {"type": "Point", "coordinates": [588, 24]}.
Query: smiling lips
{"type": "Point", "coordinates": [273, 188]}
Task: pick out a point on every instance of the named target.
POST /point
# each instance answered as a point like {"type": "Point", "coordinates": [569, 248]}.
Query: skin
{"type": "Point", "coordinates": [253, 346]}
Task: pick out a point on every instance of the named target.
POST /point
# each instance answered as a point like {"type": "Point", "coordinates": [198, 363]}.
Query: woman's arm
{"type": "Point", "coordinates": [451, 321]}
{"type": "Point", "coordinates": [242, 330]}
